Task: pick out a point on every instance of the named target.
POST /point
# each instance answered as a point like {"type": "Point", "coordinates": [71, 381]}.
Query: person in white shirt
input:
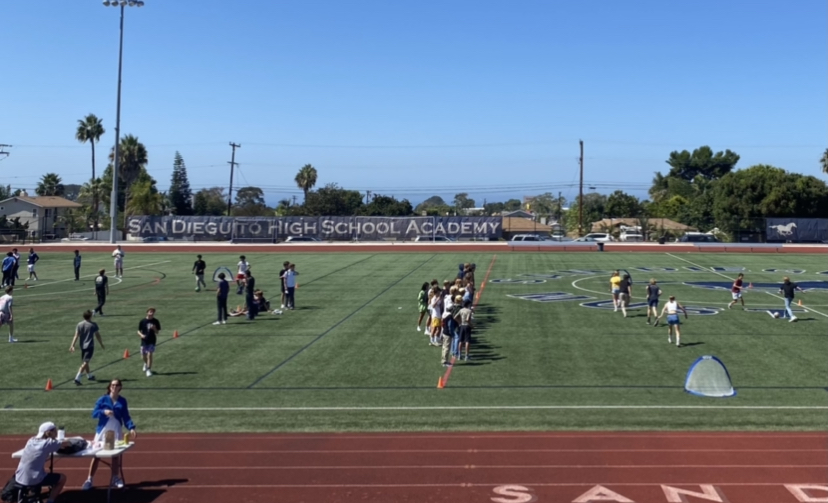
{"type": "Point", "coordinates": [118, 254]}
{"type": "Point", "coordinates": [290, 286]}
{"type": "Point", "coordinates": [244, 265]}
{"type": "Point", "coordinates": [6, 313]}
{"type": "Point", "coordinates": [672, 308]}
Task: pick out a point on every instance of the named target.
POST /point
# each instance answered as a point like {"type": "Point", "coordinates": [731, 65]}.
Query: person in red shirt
{"type": "Point", "coordinates": [736, 291]}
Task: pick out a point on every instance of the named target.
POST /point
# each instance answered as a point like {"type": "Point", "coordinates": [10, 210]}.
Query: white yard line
{"type": "Point", "coordinates": [38, 284]}
{"type": "Point", "coordinates": [455, 407]}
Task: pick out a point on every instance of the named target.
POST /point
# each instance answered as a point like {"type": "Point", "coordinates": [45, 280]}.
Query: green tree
{"type": "Point", "coordinates": [593, 204]}
{"type": "Point", "coordinates": [493, 208]}
{"type": "Point", "coordinates": [144, 198]}
{"type": "Point", "coordinates": [433, 203]}
{"type": "Point", "coordinates": [622, 205]}
{"type": "Point", "coordinates": [744, 198]}
{"type": "Point", "coordinates": [180, 194]}
{"type": "Point", "coordinates": [210, 202]}
{"type": "Point", "coordinates": [133, 161]}
{"type": "Point", "coordinates": [824, 161]}
{"type": "Point", "coordinates": [306, 179]}
{"type": "Point", "coordinates": [701, 162]}
{"type": "Point", "coordinates": [462, 201]}
{"type": "Point", "coordinates": [90, 129]}
{"type": "Point", "coordinates": [387, 206]}
{"type": "Point", "coordinates": [250, 202]}
{"type": "Point", "coordinates": [334, 201]}
{"type": "Point", "coordinates": [50, 185]}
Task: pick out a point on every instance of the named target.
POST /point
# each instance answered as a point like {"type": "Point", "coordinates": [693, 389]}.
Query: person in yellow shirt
{"type": "Point", "coordinates": [615, 288]}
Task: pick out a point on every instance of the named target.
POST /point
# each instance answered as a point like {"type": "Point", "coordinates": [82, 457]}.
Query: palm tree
{"type": "Point", "coordinates": [90, 129]}
{"type": "Point", "coordinates": [133, 159]}
{"type": "Point", "coordinates": [144, 199]}
{"type": "Point", "coordinates": [306, 178]}
{"type": "Point", "coordinates": [50, 185]}
{"type": "Point", "coordinates": [824, 161]}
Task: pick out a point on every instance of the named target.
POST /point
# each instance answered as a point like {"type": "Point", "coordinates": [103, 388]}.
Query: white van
{"type": "Point", "coordinates": [631, 237]}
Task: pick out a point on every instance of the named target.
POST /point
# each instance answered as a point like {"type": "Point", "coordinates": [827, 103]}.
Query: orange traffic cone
{"type": "Point", "coordinates": [439, 383]}
{"type": "Point", "coordinates": [175, 334]}
{"type": "Point", "coordinates": [49, 385]}
{"type": "Point", "coordinates": [297, 286]}
{"type": "Point", "coordinates": [25, 286]}
{"type": "Point", "coordinates": [750, 285]}
{"type": "Point", "coordinates": [799, 303]}
{"type": "Point", "coordinates": [126, 353]}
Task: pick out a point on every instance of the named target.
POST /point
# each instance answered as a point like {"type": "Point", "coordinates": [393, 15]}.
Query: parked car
{"type": "Point", "coordinates": [698, 237]}
{"type": "Point", "coordinates": [631, 237]}
{"type": "Point", "coordinates": [440, 239]}
{"type": "Point", "coordinates": [601, 237]}
{"type": "Point", "coordinates": [305, 239]}
{"type": "Point", "coordinates": [528, 237]}
{"type": "Point", "coordinates": [76, 237]}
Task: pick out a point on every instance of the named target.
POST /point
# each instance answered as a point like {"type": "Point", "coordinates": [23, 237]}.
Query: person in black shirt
{"type": "Point", "coordinates": [198, 269]}
{"type": "Point", "coordinates": [788, 289]}
{"type": "Point", "coordinates": [148, 330]}
{"type": "Point", "coordinates": [653, 292]}
{"type": "Point", "coordinates": [101, 290]}
{"type": "Point", "coordinates": [250, 293]}
{"type": "Point", "coordinates": [625, 295]}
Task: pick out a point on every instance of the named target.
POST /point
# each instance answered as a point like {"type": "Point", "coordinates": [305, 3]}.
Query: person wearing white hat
{"type": "Point", "coordinates": [31, 471]}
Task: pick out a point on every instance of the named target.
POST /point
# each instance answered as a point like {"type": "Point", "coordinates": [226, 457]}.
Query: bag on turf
{"type": "Point", "coordinates": [709, 377]}
{"type": "Point", "coordinates": [228, 274]}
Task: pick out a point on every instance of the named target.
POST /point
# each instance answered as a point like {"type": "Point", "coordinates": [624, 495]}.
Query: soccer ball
{"type": "Point", "coordinates": [198, 289]}
{"type": "Point", "coordinates": [776, 315]}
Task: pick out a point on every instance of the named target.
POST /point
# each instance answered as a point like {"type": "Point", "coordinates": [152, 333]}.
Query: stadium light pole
{"type": "Point", "coordinates": [113, 204]}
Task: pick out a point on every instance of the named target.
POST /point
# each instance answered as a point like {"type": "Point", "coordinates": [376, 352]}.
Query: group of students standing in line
{"type": "Point", "coordinates": [448, 314]}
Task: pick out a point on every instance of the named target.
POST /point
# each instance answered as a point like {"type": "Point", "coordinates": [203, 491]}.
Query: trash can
{"type": "Point", "coordinates": [600, 246]}
{"type": "Point", "coordinates": [661, 240]}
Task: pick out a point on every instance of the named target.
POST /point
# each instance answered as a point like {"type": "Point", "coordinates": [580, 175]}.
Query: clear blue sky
{"type": "Point", "coordinates": [413, 99]}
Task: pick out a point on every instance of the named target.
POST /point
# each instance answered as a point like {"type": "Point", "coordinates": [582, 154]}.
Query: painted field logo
{"type": "Point", "coordinates": [785, 271]}
{"type": "Point", "coordinates": [725, 285]}
{"type": "Point", "coordinates": [549, 297]}
{"type": "Point", "coordinates": [517, 281]}
{"type": "Point", "coordinates": [715, 269]}
{"type": "Point", "coordinates": [694, 310]}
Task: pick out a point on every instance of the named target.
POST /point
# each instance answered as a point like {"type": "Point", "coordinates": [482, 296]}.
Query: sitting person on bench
{"type": "Point", "coordinates": [31, 471]}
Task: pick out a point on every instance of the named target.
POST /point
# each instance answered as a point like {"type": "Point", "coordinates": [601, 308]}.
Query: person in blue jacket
{"type": "Point", "coordinates": [112, 414]}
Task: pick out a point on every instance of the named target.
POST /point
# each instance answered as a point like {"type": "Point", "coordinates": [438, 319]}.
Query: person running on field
{"type": "Point", "coordinates": [653, 293]}
{"type": "Point", "coordinates": [243, 265]}
{"type": "Point", "coordinates": [31, 260]}
{"type": "Point", "coordinates": [615, 288]}
{"type": "Point", "coordinates": [76, 262]}
{"type": "Point", "coordinates": [672, 308]}
{"type": "Point", "coordinates": [101, 290]}
{"type": "Point", "coordinates": [736, 291]}
{"type": "Point", "coordinates": [6, 312]}
{"type": "Point", "coordinates": [787, 289]}
{"type": "Point", "coordinates": [624, 294]}
{"type": "Point", "coordinates": [118, 254]}
{"type": "Point", "coordinates": [148, 329]}
{"type": "Point", "coordinates": [86, 332]}
{"type": "Point", "coordinates": [422, 304]}
{"type": "Point", "coordinates": [198, 269]}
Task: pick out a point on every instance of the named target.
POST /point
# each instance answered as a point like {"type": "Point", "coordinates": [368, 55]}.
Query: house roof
{"type": "Point", "coordinates": [668, 224]}
{"type": "Point", "coordinates": [517, 213]}
{"type": "Point", "coordinates": [515, 224]}
{"type": "Point", "coordinates": [46, 201]}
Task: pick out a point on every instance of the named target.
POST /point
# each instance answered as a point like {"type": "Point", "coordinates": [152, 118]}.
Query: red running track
{"type": "Point", "coordinates": [463, 467]}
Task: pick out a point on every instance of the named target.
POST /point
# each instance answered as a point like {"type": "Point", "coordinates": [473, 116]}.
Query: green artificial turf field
{"type": "Point", "coordinates": [349, 357]}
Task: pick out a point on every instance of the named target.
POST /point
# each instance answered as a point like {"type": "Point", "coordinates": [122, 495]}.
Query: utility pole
{"type": "Point", "coordinates": [581, 194]}
{"type": "Point", "coordinates": [294, 199]}
{"type": "Point", "coordinates": [232, 165]}
{"type": "Point", "coordinates": [2, 151]}
{"type": "Point", "coordinates": [367, 197]}
{"type": "Point", "coordinates": [560, 210]}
